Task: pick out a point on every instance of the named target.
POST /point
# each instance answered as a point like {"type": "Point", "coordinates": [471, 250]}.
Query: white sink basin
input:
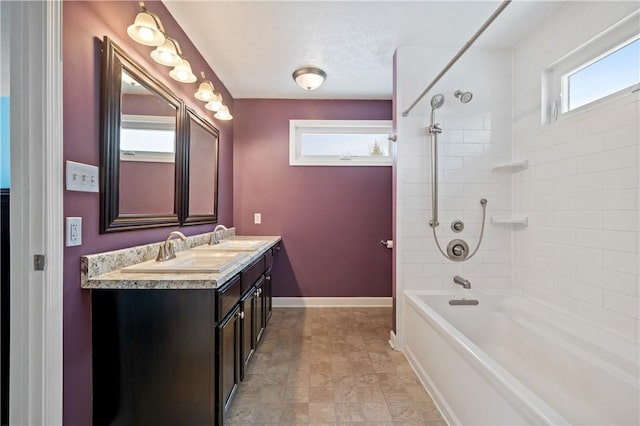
{"type": "Point", "coordinates": [232, 245]}
{"type": "Point", "coordinates": [189, 261]}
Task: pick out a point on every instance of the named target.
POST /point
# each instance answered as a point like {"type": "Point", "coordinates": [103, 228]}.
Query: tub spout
{"type": "Point", "coordinates": [461, 281]}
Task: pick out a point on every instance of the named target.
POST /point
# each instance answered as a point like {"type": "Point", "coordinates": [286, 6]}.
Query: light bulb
{"type": "Point", "coordinates": [182, 72]}
{"type": "Point", "coordinates": [145, 30]}
{"type": "Point", "coordinates": [215, 103]}
{"type": "Point", "coordinates": [145, 33]}
{"type": "Point", "coordinates": [223, 114]}
{"type": "Point", "coordinates": [167, 54]}
{"type": "Point", "coordinates": [205, 91]}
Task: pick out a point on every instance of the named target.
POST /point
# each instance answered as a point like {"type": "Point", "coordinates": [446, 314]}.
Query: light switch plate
{"type": "Point", "coordinates": [74, 231]}
{"type": "Point", "coordinates": [257, 218]}
{"type": "Point", "coordinates": [82, 177]}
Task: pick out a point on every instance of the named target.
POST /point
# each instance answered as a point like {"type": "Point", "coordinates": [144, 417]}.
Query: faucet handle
{"type": "Point", "coordinates": [161, 254]}
{"type": "Point", "coordinates": [167, 250]}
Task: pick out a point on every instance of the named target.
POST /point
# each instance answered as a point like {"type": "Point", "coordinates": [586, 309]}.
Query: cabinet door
{"type": "Point", "coordinates": [268, 297]}
{"type": "Point", "coordinates": [261, 319]}
{"type": "Point", "coordinates": [248, 329]}
{"type": "Point", "coordinates": [227, 361]}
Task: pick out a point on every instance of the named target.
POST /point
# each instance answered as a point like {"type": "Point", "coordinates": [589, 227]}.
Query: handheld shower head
{"type": "Point", "coordinates": [437, 101]}
{"type": "Point", "coordinates": [463, 96]}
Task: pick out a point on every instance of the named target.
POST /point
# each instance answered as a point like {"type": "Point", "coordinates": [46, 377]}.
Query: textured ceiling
{"type": "Point", "coordinates": [254, 46]}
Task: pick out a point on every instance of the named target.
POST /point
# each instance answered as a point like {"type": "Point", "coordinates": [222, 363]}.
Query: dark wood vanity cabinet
{"type": "Point", "coordinates": [176, 356]}
{"type": "Point", "coordinates": [248, 313]}
{"type": "Point", "coordinates": [228, 363]}
{"type": "Point", "coordinates": [267, 292]}
{"type": "Point", "coordinates": [261, 303]}
{"type": "Point", "coordinates": [152, 357]}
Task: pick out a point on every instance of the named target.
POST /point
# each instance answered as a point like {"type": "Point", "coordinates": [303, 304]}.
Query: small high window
{"type": "Point", "coordinates": [147, 138]}
{"type": "Point", "coordinates": [606, 67]}
{"type": "Point", "coordinates": [339, 143]}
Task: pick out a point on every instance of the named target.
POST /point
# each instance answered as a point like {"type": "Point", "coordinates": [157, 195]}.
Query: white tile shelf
{"type": "Point", "coordinates": [515, 220]}
{"type": "Point", "coordinates": [511, 167]}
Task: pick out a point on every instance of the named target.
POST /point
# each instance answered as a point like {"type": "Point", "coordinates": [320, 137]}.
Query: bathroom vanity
{"type": "Point", "coordinates": [173, 347]}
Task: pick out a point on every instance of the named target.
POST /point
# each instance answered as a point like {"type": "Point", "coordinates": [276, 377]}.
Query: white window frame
{"type": "Point", "coordinates": [555, 102]}
{"type": "Point", "coordinates": [298, 127]}
{"type": "Point", "coordinates": [149, 122]}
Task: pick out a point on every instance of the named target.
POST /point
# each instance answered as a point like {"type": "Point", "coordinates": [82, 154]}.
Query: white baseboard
{"type": "Point", "coordinates": [327, 302]}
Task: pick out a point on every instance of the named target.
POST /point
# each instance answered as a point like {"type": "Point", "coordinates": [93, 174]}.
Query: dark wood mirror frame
{"type": "Point", "coordinates": [114, 61]}
{"type": "Point", "coordinates": [190, 217]}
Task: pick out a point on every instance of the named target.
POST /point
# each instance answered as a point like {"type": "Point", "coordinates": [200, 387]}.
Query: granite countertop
{"type": "Point", "coordinates": [103, 270]}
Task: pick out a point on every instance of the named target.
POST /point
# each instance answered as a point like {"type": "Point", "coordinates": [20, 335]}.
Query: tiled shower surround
{"type": "Point", "coordinates": [580, 192]}
{"type": "Point", "coordinates": [580, 251]}
{"type": "Point", "coordinates": [476, 136]}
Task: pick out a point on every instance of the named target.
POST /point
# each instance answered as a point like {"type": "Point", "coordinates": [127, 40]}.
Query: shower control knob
{"type": "Point", "coordinates": [457, 225]}
{"type": "Point", "coordinates": [457, 250]}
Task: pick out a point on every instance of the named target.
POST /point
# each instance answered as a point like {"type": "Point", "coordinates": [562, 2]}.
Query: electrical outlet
{"type": "Point", "coordinates": [74, 231]}
{"type": "Point", "coordinates": [257, 218]}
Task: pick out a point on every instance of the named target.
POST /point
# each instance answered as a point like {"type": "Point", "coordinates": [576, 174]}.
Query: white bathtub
{"type": "Point", "coordinates": [511, 360]}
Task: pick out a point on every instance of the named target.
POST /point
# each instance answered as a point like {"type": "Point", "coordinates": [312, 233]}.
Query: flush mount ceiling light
{"type": "Point", "coordinates": [146, 29]}
{"type": "Point", "coordinates": [182, 72]}
{"type": "Point", "coordinates": [168, 53]}
{"type": "Point", "coordinates": [223, 114]}
{"type": "Point", "coordinates": [309, 78]}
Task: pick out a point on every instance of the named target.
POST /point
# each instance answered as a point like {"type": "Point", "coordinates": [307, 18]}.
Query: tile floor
{"type": "Point", "coordinates": [331, 366]}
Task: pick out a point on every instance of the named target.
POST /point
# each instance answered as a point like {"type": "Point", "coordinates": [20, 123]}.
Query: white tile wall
{"type": "Point", "coordinates": [581, 192]}
{"type": "Point", "coordinates": [476, 136]}
{"type": "Point", "coordinates": [582, 189]}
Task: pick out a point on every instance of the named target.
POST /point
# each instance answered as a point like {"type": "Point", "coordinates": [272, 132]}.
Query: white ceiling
{"type": "Point", "coordinates": [254, 46]}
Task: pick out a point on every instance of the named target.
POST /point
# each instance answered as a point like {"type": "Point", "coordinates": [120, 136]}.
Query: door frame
{"type": "Point", "coordinates": [36, 212]}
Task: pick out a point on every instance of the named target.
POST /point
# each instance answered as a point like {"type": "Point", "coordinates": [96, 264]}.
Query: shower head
{"type": "Point", "coordinates": [437, 101]}
{"type": "Point", "coordinates": [463, 96]}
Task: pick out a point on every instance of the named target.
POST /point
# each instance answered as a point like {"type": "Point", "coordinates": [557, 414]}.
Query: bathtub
{"type": "Point", "coordinates": [511, 360]}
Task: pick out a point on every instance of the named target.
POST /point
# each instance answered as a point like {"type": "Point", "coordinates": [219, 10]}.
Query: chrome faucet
{"type": "Point", "coordinates": [166, 250]}
{"type": "Point", "coordinates": [214, 237]}
{"type": "Point", "coordinates": [461, 281]}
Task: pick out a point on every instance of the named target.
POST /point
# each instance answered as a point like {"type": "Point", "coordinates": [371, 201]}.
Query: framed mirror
{"type": "Point", "coordinates": [141, 158]}
{"type": "Point", "coordinates": [200, 186]}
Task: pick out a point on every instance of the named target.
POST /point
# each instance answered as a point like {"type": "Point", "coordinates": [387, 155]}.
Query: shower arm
{"type": "Point", "coordinates": [457, 56]}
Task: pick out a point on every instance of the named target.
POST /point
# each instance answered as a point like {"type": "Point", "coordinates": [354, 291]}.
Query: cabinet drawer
{"type": "Point", "coordinates": [252, 273]}
{"type": "Point", "coordinates": [227, 297]}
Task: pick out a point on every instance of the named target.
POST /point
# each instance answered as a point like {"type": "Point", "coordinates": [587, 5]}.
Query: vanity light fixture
{"type": "Point", "coordinates": [215, 103]}
{"type": "Point", "coordinates": [147, 28]}
{"type": "Point", "coordinates": [182, 72]}
{"type": "Point", "coordinates": [309, 78]}
{"type": "Point", "coordinates": [168, 53]}
{"type": "Point", "coordinates": [223, 113]}
{"type": "Point", "coordinates": [205, 91]}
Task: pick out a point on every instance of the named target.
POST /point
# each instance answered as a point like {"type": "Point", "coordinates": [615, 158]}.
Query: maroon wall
{"type": "Point", "coordinates": [85, 24]}
{"type": "Point", "coordinates": [331, 218]}
{"type": "Point", "coordinates": [135, 196]}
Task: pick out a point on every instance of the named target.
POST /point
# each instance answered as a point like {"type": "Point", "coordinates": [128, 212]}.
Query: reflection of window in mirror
{"type": "Point", "coordinates": [147, 138]}
{"type": "Point", "coordinates": [147, 151]}
{"type": "Point", "coordinates": [203, 151]}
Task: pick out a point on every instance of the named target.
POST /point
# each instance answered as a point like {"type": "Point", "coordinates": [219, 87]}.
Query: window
{"type": "Point", "coordinates": [339, 143]}
{"type": "Point", "coordinates": [147, 138]}
{"type": "Point", "coordinates": [606, 67]}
